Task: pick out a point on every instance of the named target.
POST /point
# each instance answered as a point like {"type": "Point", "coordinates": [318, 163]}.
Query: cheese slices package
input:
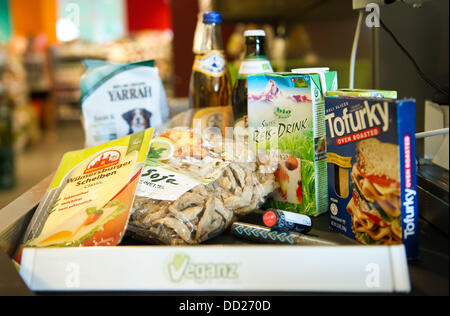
{"type": "Point", "coordinates": [90, 197]}
{"type": "Point", "coordinates": [121, 99]}
{"type": "Point", "coordinates": [372, 170]}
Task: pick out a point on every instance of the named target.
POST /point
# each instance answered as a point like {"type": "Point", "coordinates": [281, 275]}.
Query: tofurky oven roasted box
{"type": "Point", "coordinates": [372, 170]}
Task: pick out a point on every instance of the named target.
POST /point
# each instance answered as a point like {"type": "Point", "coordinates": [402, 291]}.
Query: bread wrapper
{"type": "Point", "coordinates": [194, 194]}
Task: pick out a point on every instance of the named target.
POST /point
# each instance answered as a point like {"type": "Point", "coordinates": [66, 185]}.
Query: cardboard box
{"type": "Point", "coordinates": [286, 121]}
{"type": "Point", "coordinates": [372, 170]}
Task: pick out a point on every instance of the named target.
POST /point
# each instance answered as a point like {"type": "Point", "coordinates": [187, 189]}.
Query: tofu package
{"type": "Point", "coordinates": [286, 116]}
{"type": "Point", "coordinates": [372, 170]}
{"type": "Point", "coordinates": [191, 190]}
{"type": "Point", "coordinates": [89, 200]}
{"type": "Point", "coordinates": [121, 99]}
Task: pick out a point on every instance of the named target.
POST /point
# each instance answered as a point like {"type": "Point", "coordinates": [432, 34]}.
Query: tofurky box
{"type": "Point", "coordinates": [286, 115]}
{"type": "Point", "coordinates": [371, 170]}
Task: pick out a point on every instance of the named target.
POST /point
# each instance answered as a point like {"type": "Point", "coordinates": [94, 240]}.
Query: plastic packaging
{"type": "Point", "coordinates": [121, 99]}
{"type": "Point", "coordinates": [190, 193]}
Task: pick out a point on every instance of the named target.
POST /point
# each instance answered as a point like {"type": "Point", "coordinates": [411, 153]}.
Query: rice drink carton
{"type": "Point", "coordinates": [286, 117]}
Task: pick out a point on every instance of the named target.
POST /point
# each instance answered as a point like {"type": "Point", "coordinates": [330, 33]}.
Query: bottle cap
{"type": "Point", "coordinates": [212, 17]}
{"type": "Point", "coordinates": [270, 219]}
{"type": "Point", "coordinates": [249, 33]}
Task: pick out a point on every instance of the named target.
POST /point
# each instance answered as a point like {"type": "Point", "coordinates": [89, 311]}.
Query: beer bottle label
{"type": "Point", "coordinates": [255, 66]}
{"type": "Point", "coordinates": [211, 64]}
{"type": "Point", "coordinates": [218, 117]}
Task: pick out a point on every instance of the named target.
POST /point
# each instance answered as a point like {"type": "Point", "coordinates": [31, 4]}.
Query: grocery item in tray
{"type": "Point", "coordinates": [286, 116]}
{"type": "Point", "coordinates": [363, 93]}
{"type": "Point", "coordinates": [266, 235]}
{"type": "Point", "coordinates": [121, 99]}
{"type": "Point", "coordinates": [372, 170]}
{"type": "Point", "coordinates": [185, 199]}
{"type": "Point", "coordinates": [287, 221]}
{"type": "Point", "coordinates": [89, 199]}
{"type": "Point", "coordinates": [210, 84]}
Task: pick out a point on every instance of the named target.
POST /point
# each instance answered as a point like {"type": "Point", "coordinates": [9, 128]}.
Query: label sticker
{"type": "Point", "coordinates": [159, 182]}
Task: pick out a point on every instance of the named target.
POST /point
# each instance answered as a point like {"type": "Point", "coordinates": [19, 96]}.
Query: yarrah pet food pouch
{"type": "Point", "coordinates": [89, 200]}
{"type": "Point", "coordinates": [372, 170]}
{"type": "Point", "coordinates": [120, 100]}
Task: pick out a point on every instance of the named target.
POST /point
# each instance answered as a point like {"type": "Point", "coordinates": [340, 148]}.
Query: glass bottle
{"type": "Point", "coordinates": [255, 62]}
{"type": "Point", "coordinates": [210, 86]}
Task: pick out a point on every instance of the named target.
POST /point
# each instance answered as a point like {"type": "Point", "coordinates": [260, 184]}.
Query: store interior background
{"type": "Point", "coordinates": [42, 43]}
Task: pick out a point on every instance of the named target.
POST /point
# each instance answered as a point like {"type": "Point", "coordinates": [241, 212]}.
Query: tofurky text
{"type": "Point", "coordinates": [366, 117]}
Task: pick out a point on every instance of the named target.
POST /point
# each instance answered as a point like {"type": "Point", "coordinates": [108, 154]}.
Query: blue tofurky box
{"type": "Point", "coordinates": [372, 180]}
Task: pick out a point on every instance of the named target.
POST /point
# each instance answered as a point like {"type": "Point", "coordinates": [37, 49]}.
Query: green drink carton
{"type": "Point", "coordinates": [287, 123]}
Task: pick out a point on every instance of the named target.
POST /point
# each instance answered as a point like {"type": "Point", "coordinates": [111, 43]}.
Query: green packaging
{"type": "Point", "coordinates": [287, 122]}
{"type": "Point", "coordinates": [362, 93]}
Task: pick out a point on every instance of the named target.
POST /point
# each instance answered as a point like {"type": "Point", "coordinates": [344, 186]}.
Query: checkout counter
{"type": "Point", "coordinates": [429, 275]}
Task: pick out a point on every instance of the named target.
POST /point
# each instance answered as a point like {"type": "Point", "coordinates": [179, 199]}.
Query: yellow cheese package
{"type": "Point", "coordinates": [90, 197]}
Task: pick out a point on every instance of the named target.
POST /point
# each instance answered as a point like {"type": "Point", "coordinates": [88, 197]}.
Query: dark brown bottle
{"type": "Point", "coordinates": [255, 62]}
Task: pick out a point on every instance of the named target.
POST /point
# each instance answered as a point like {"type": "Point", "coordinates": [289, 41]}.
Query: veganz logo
{"type": "Point", "coordinates": [181, 268]}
